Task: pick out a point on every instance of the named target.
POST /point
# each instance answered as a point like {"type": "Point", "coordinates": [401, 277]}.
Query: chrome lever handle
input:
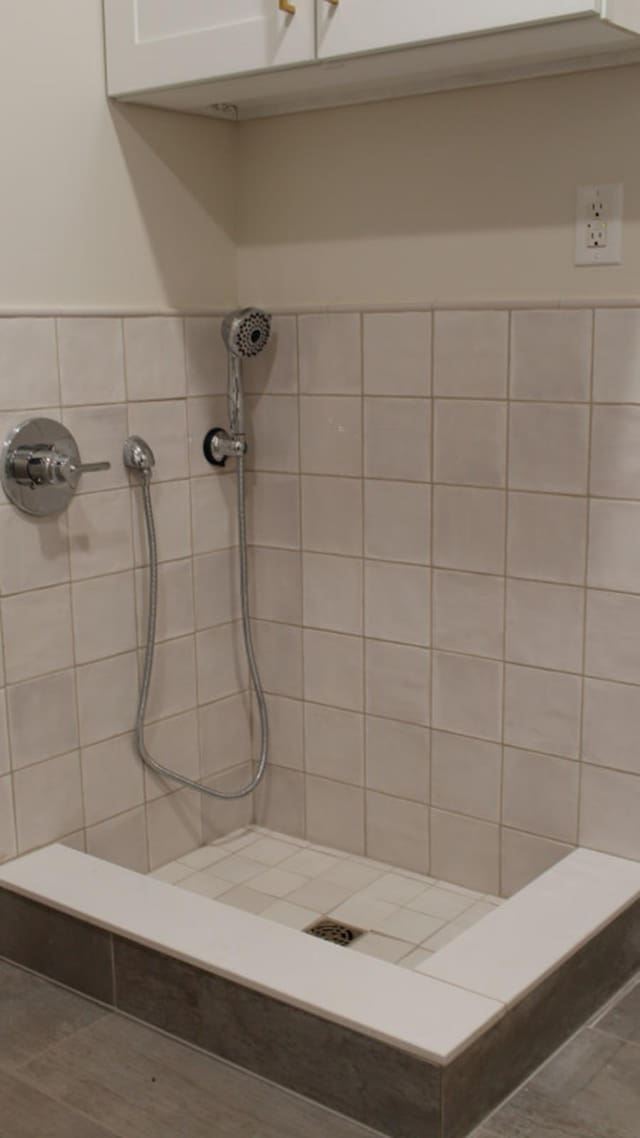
{"type": "Point", "coordinates": [40, 466]}
{"type": "Point", "coordinates": [90, 467]}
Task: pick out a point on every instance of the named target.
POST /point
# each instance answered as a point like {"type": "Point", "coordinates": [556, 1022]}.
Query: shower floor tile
{"type": "Point", "coordinates": [405, 916]}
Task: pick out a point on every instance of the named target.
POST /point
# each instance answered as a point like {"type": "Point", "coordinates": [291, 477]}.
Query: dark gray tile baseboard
{"type": "Point", "coordinates": [388, 1089]}
{"type": "Point", "coordinates": [478, 1080]}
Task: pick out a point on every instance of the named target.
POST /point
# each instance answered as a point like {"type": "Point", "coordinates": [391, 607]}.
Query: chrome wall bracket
{"type": "Point", "coordinates": [41, 467]}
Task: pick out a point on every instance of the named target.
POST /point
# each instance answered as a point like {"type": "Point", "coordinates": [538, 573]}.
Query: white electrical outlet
{"type": "Point", "coordinates": [599, 224]}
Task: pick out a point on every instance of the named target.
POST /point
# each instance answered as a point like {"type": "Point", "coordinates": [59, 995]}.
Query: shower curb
{"type": "Point", "coordinates": [386, 1087]}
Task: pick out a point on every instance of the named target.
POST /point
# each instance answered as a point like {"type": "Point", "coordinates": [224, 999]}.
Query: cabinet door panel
{"type": "Point", "coordinates": [353, 26]}
{"type": "Point", "coordinates": [159, 43]}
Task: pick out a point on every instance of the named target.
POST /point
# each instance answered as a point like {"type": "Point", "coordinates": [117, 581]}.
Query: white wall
{"type": "Point", "coordinates": [467, 195]}
{"type": "Point", "coordinates": [100, 206]}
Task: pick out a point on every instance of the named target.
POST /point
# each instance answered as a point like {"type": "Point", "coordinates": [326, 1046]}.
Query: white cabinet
{"type": "Point", "coordinates": [247, 58]}
{"type": "Point", "coordinates": [353, 26]}
{"type": "Point", "coordinates": [159, 43]}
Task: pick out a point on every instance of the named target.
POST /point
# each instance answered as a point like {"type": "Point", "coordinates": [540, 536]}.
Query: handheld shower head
{"type": "Point", "coordinates": [246, 332]}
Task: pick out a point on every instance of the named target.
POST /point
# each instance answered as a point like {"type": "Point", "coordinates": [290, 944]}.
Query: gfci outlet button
{"type": "Point", "coordinates": [599, 224]}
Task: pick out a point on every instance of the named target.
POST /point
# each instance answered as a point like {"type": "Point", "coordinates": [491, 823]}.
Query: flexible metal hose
{"type": "Point", "coordinates": [151, 643]}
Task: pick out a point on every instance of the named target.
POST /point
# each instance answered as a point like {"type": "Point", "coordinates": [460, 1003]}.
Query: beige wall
{"type": "Point", "coordinates": [462, 196]}
{"type": "Point", "coordinates": [101, 206]}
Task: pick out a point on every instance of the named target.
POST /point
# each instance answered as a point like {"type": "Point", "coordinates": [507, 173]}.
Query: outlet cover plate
{"type": "Point", "coordinates": [599, 209]}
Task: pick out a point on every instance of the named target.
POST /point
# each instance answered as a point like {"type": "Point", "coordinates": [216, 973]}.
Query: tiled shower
{"type": "Point", "coordinates": [445, 564]}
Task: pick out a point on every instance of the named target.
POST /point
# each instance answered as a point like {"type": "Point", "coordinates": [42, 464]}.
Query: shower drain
{"type": "Point", "coordinates": [334, 931]}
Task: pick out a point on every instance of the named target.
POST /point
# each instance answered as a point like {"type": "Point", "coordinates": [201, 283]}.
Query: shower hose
{"type": "Point", "coordinates": [144, 754]}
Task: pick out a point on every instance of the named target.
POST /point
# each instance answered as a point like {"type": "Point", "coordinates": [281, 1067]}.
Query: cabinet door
{"type": "Point", "coordinates": [351, 26]}
{"type": "Point", "coordinates": [158, 43]}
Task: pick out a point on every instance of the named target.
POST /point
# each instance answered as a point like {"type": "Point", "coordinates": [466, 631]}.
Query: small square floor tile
{"type": "Point", "coordinates": [382, 947]}
{"type": "Point", "coordinates": [205, 884]}
{"type": "Point", "coordinates": [277, 882]}
{"type": "Point", "coordinates": [395, 888]}
{"type": "Point", "coordinates": [352, 874]}
{"type": "Point", "coordinates": [237, 869]}
{"type": "Point", "coordinates": [293, 916]}
{"type": "Point", "coordinates": [415, 958]}
{"type": "Point", "coordinates": [172, 873]}
{"type": "Point", "coordinates": [202, 858]}
{"type": "Point", "coordinates": [322, 896]}
{"type": "Point", "coordinates": [411, 926]}
{"type": "Point", "coordinates": [437, 902]}
{"type": "Point", "coordinates": [366, 913]}
{"type": "Point", "coordinates": [245, 898]}
{"type": "Point", "coordinates": [311, 863]}
{"type": "Point", "coordinates": [270, 851]}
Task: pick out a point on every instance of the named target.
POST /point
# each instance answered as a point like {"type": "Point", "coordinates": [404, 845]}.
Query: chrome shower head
{"type": "Point", "coordinates": [246, 332]}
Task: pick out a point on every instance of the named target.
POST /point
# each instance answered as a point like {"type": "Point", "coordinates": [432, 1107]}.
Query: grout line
{"type": "Point", "coordinates": [504, 607]}
{"type": "Point", "coordinates": [586, 589]}
{"type": "Point", "coordinates": [432, 607]}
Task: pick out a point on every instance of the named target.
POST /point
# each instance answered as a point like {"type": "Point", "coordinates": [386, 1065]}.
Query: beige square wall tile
{"type": "Point", "coordinates": [397, 521]}
{"type": "Point", "coordinates": [397, 759]}
{"type": "Point", "coordinates": [5, 758]}
{"type": "Point", "coordinates": [173, 686]}
{"type": "Point", "coordinates": [466, 775]}
{"type": "Point", "coordinates": [174, 743]}
{"type": "Point", "coordinates": [100, 433]}
{"type": "Point", "coordinates": [272, 432]}
{"type": "Point", "coordinates": [221, 818]}
{"type": "Point", "coordinates": [206, 356]}
{"type": "Point", "coordinates": [548, 447]}
{"type": "Point", "coordinates": [470, 442]}
{"type": "Point", "coordinates": [465, 851]}
{"type": "Point", "coordinates": [333, 669]}
{"type": "Point", "coordinates": [540, 794]}
{"type": "Point", "coordinates": [467, 695]}
{"type": "Point", "coordinates": [613, 631]}
{"type": "Point", "coordinates": [616, 378]}
{"type": "Point", "coordinates": [330, 356]}
{"type": "Point", "coordinates": [225, 734]}
{"type": "Point", "coordinates": [107, 697]}
{"type": "Point", "coordinates": [471, 354]}
{"type": "Point", "coordinates": [171, 506]}
{"type": "Point", "coordinates": [28, 363]}
{"type": "Point", "coordinates": [332, 588]}
{"type": "Point", "coordinates": [334, 743]}
{"type": "Point", "coordinates": [545, 625]}
{"type": "Point", "coordinates": [8, 846]}
{"type": "Point", "coordinates": [213, 514]}
{"type": "Point", "coordinates": [330, 435]}
{"type": "Point", "coordinates": [468, 612]}
{"type": "Point", "coordinates": [335, 814]}
{"type": "Point", "coordinates": [175, 615]}
{"type": "Point", "coordinates": [547, 536]}
{"type": "Point", "coordinates": [217, 587]}
{"type": "Point", "coordinates": [48, 800]}
{"type": "Point", "coordinates": [273, 509]}
{"type": "Point", "coordinates": [468, 529]}
{"type": "Point", "coordinates": [279, 654]}
{"type": "Point", "coordinates": [286, 731]}
{"type": "Point", "coordinates": [121, 840]}
{"type": "Point", "coordinates": [280, 804]}
{"type": "Point", "coordinates": [42, 718]}
{"type": "Point", "coordinates": [155, 357]}
{"type": "Point", "coordinates": [526, 856]}
{"type": "Point", "coordinates": [397, 831]}
{"type": "Point", "coordinates": [174, 826]}
{"type": "Point", "coordinates": [397, 602]}
{"type": "Point", "coordinates": [275, 370]}
{"type": "Point", "coordinates": [164, 425]}
{"type": "Point", "coordinates": [221, 663]}
{"type": "Point", "coordinates": [397, 681]}
{"type": "Point", "coordinates": [615, 452]}
{"type": "Point", "coordinates": [609, 806]}
{"type": "Point", "coordinates": [611, 725]}
{"type": "Point", "coordinates": [614, 545]}
{"type": "Point", "coordinates": [112, 779]}
{"type": "Point", "coordinates": [91, 360]}
{"type": "Point", "coordinates": [397, 353]}
{"type": "Point", "coordinates": [275, 583]}
{"type": "Point", "coordinates": [397, 439]}
{"type": "Point", "coordinates": [34, 552]}
{"type": "Point", "coordinates": [37, 633]}
{"type": "Point", "coordinates": [551, 354]}
{"type": "Point", "coordinates": [104, 616]}
{"type": "Point", "coordinates": [542, 710]}
{"type": "Point", "coordinates": [332, 515]}
{"type": "Point", "coordinates": [100, 533]}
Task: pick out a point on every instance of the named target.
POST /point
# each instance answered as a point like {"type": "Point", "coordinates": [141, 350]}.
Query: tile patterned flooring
{"type": "Point", "coordinates": [70, 1068]}
{"type": "Point", "coordinates": [406, 916]}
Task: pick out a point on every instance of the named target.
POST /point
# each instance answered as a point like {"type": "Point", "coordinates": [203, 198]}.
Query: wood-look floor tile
{"type": "Point", "coordinates": [27, 1113]}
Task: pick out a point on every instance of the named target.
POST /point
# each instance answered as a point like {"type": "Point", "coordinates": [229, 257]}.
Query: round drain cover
{"type": "Point", "coordinates": [334, 931]}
